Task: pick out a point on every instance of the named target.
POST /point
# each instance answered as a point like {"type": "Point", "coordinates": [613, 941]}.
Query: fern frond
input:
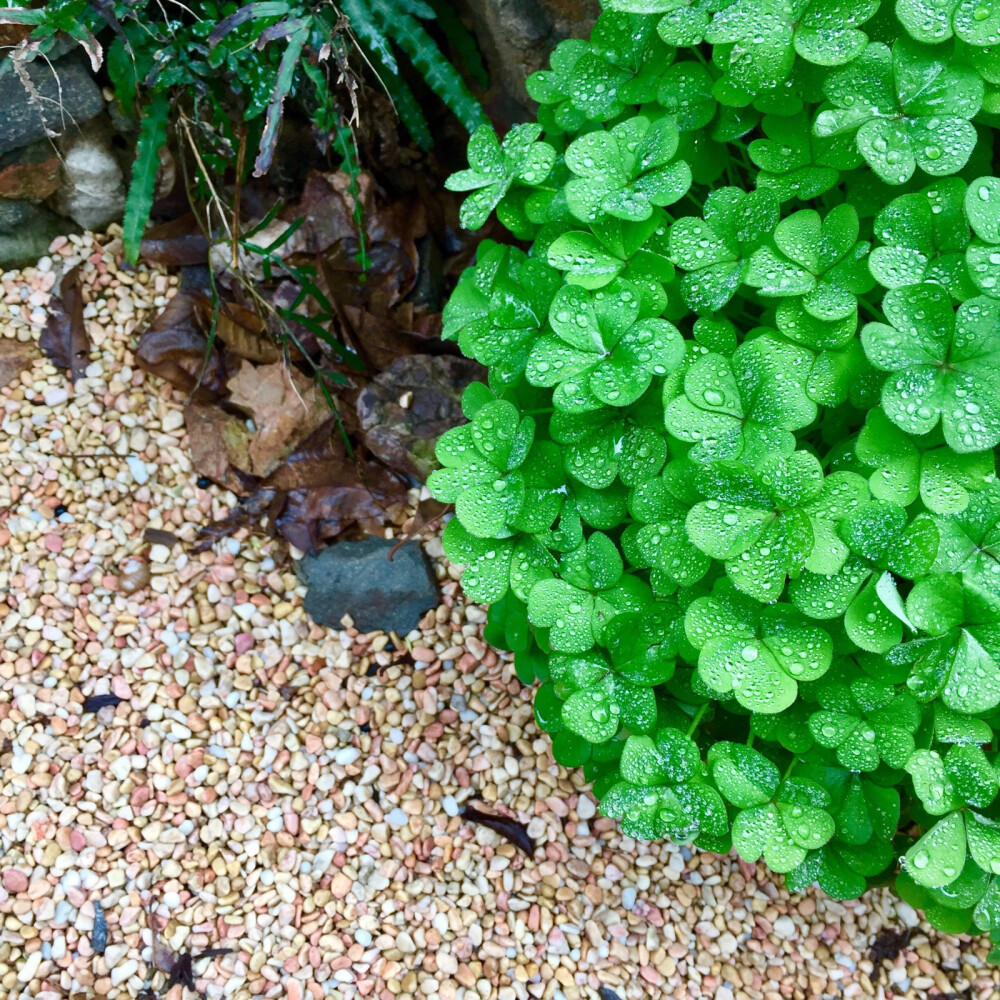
{"type": "Point", "coordinates": [461, 41]}
{"type": "Point", "coordinates": [430, 62]}
{"type": "Point", "coordinates": [373, 36]}
{"type": "Point", "coordinates": [405, 103]}
{"type": "Point", "coordinates": [139, 203]}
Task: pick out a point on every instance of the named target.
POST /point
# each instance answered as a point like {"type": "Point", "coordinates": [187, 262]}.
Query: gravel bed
{"type": "Point", "coordinates": [293, 792]}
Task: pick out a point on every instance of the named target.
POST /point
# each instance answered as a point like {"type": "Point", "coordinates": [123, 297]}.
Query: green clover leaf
{"type": "Point", "coordinates": [600, 353]}
{"type": "Point", "coordinates": [796, 164]}
{"type": "Point", "coordinates": [786, 829]}
{"type": "Point", "coordinates": [487, 562]}
{"type": "Point", "coordinates": [481, 462]}
{"type": "Point", "coordinates": [983, 256]}
{"type": "Point", "coordinates": [590, 440]}
{"type": "Point", "coordinates": [756, 654]}
{"type": "Point", "coordinates": [744, 776]}
{"type": "Point", "coordinates": [904, 470]}
{"type": "Point", "coordinates": [909, 108]}
{"type": "Point", "coordinates": [924, 237]}
{"type": "Point", "coordinates": [498, 308]}
{"type": "Point", "coordinates": [934, 21]}
{"type": "Point", "coordinates": [959, 662]}
{"type": "Point", "coordinates": [937, 858]}
{"type": "Point", "coordinates": [818, 261]}
{"type": "Point", "coordinates": [970, 541]}
{"type": "Point", "coordinates": [766, 36]}
{"type": "Point", "coordinates": [872, 722]}
{"type": "Point", "coordinates": [626, 171]}
{"type": "Point", "coordinates": [685, 91]}
{"type": "Point", "coordinates": [765, 527]}
{"type": "Point", "coordinates": [946, 365]}
{"type": "Point", "coordinates": [747, 405]}
{"type": "Point", "coordinates": [714, 251]}
{"type": "Point", "coordinates": [658, 540]}
{"type": "Point", "coordinates": [493, 168]}
{"type": "Point", "coordinates": [596, 702]}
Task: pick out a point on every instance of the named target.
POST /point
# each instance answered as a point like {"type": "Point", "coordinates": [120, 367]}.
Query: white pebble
{"type": "Point", "coordinates": [449, 805]}
{"type": "Point", "coordinates": [159, 554]}
{"type": "Point", "coordinates": [56, 396]}
{"type": "Point", "coordinates": [907, 915]}
{"type": "Point", "coordinates": [397, 817]}
{"type": "Point", "coordinates": [138, 469]}
{"type": "Point", "coordinates": [27, 971]}
{"type": "Point", "coordinates": [120, 973]}
{"type": "Point", "coordinates": [585, 808]}
{"type": "Point", "coordinates": [346, 755]}
{"type": "Point", "coordinates": [784, 928]}
{"type": "Point", "coordinates": [363, 937]}
{"type": "Point", "coordinates": [628, 898]}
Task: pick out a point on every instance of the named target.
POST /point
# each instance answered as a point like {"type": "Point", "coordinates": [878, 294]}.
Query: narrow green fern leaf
{"type": "Point", "coordinates": [139, 203]}
{"type": "Point", "coordinates": [427, 58]}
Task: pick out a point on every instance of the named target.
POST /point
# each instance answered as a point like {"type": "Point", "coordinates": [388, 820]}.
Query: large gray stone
{"type": "Point", "coordinates": [26, 231]}
{"type": "Point", "coordinates": [357, 579]}
{"type": "Point", "coordinates": [65, 97]}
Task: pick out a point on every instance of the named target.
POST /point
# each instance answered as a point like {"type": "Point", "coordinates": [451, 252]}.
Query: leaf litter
{"type": "Point", "coordinates": [273, 372]}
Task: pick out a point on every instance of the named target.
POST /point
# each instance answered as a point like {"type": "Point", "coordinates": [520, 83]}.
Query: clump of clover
{"type": "Point", "coordinates": [730, 490]}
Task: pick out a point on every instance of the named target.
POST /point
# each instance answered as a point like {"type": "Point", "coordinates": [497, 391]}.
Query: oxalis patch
{"type": "Point", "coordinates": [730, 490]}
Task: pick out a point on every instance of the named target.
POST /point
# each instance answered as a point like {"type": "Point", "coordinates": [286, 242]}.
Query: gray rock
{"type": "Point", "coordinates": [26, 231]}
{"type": "Point", "coordinates": [406, 408]}
{"type": "Point", "coordinates": [357, 579]}
{"type": "Point", "coordinates": [65, 97]}
{"type": "Point", "coordinates": [92, 188]}
{"type": "Point", "coordinates": [517, 36]}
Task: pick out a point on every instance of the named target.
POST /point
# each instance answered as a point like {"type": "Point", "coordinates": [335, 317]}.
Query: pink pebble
{"type": "Point", "coordinates": [120, 687]}
{"type": "Point", "coordinates": [14, 880]}
{"type": "Point", "coordinates": [293, 990]}
{"type": "Point", "coordinates": [292, 823]}
{"type": "Point", "coordinates": [243, 643]}
{"type": "Point", "coordinates": [53, 543]}
{"type": "Point", "coordinates": [77, 840]}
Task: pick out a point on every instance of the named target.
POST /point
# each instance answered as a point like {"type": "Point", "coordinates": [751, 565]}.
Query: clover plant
{"type": "Point", "coordinates": [730, 489]}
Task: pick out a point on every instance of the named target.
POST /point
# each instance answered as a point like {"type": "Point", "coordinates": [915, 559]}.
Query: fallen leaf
{"type": "Point", "coordinates": [241, 330]}
{"type": "Point", "coordinates": [320, 460]}
{"type": "Point", "coordinates": [510, 829]}
{"type": "Point", "coordinates": [407, 407]}
{"type": "Point", "coordinates": [65, 339]}
{"type": "Point", "coordinates": [312, 516]}
{"type": "Point", "coordinates": [15, 357]}
{"type": "Point", "coordinates": [157, 536]}
{"type": "Point", "coordinates": [208, 429]}
{"type": "Point", "coordinates": [174, 348]}
{"type": "Point", "coordinates": [178, 243]}
{"type": "Point", "coordinates": [286, 407]}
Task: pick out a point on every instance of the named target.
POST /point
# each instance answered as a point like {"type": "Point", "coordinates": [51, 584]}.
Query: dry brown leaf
{"type": "Point", "coordinates": [65, 339]}
{"type": "Point", "coordinates": [241, 330]}
{"type": "Point", "coordinates": [210, 433]}
{"type": "Point", "coordinates": [286, 407]}
{"type": "Point", "coordinates": [177, 243]}
{"type": "Point", "coordinates": [15, 357]}
{"type": "Point", "coordinates": [174, 348]}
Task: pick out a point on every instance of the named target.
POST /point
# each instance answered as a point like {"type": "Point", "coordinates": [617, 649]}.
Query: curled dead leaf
{"type": "Point", "coordinates": [177, 243]}
{"type": "Point", "coordinates": [241, 330]}
{"type": "Point", "coordinates": [174, 348]}
{"type": "Point", "coordinates": [65, 339]}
